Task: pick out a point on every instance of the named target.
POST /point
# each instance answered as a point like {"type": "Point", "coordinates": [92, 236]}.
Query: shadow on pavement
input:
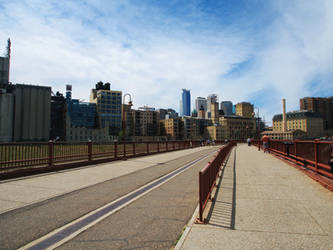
{"type": "Point", "coordinates": [222, 211]}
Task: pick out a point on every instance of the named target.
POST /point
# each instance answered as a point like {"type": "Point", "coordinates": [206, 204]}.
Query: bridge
{"type": "Point", "coordinates": [260, 202]}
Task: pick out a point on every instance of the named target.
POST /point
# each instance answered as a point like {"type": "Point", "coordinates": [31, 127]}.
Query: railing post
{"type": "Point", "coordinates": [147, 147]}
{"type": "Point", "coordinates": [89, 150]}
{"type": "Point", "coordinates": [316, 154]}
{"type": "Point", "coordinates": [158, 147]}
{"type": "Point", "coordinates": [115, 150]}
{"type": "Point", "coordinates": [134, 149]}
{"type": "Point", "coordinates": [174, 147]}
{"type": "Point", "coordinates": [166, 146]}
{"type": "Point", "coordinates": [201, 199]}
{"type": "Point", "coordinates": [51, 147]}
{"type": "Point", "coordinates": [124, 154]}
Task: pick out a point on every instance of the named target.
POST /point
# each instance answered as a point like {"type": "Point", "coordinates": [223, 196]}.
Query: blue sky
{"type": "Point", "coordinates": [248, 50]}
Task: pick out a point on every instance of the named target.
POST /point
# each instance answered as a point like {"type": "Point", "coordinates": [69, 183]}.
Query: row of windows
{"type": "Point", "coordinates": [118, 104]}
{"type": "Point", "coordinates": [109, 111]}
{"type": "Point", "coordinates": [87, 137]}
{"type": "Point", "coordinates": [106, 93]}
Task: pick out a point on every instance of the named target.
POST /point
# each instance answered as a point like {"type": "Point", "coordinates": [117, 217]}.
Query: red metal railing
{"type": "Point", "coordinates": [208, 176]}
{"type": "Point", "coordinates": [34, 155]}
{"type": "Point", "coordinates": [314, 155]}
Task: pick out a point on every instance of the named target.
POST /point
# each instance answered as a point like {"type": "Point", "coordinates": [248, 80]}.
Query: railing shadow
{"type": "Point", "coordinates": [222, 211]}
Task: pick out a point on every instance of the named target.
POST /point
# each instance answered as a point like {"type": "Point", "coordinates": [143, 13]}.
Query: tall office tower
{"type": "Point", "coordinates": [211, 99]}
{"type": "Point", "coordinates": [244, 109]}
{"type": "Point", "coordinates": [226, 106]}
{"type": "Point", "coordinates": [201, 101]}
{"type": "Point", "coordinates": [214, 110]}
{"type": "Point", "coordinates": [185, 106]}
{"type": "Point", "coordinates": [324, 106]}
{"type": "Point", "coordinates": [4, 65]}
{"type": "Point", "coordinates": [32, 113]}
{"type": "Point", "coordinates": [108, 106]}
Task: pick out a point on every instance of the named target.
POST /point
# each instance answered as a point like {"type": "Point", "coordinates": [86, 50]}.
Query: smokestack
{"type": "Point", "coordinates": [284, 120]}
{"type": "Point", "coordinates": [9, 44]}
{"type": "Point", "coordinates": [8, 48]}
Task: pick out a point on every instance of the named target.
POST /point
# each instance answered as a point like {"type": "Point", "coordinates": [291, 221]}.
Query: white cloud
{"type": "Point", "coordinates": [143, 51]}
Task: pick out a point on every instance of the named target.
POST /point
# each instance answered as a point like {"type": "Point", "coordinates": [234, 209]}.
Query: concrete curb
{"type": "Point", "coordinates": [187, 229]}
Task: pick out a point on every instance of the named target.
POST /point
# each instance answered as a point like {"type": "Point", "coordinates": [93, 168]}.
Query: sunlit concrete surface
{"type": "Point", "coordinates": [264, 203]}
{"type": "Point", "coordinates": [24, 191]}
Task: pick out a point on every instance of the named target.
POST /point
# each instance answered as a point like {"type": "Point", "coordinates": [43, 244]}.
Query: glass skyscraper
{"type": "Point", "coordinates": [185, 103]}
{"type": "Point", "coordinates": [227, 107]}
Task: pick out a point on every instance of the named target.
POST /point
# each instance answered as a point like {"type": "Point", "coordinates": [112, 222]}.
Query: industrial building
{"type": "Point", "coordinates": [4, 65]}
{"type": "Point", "coordinates": [237, 127]}
{"type": "Point", "coordinates": [309, 122]}
{"type": "Point", "coordinates": [321, 105]}
{"type": "Point", "coordinates": [6, 115]}
{"type": "Point", "coordinates": [32, 112]}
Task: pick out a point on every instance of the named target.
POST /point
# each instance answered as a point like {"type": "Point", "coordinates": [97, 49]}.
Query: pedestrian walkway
{"type": "Point", "coordinates": [264, 203]}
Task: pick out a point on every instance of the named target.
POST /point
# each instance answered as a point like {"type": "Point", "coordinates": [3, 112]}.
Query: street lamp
{"type": "Point", "coordinates": [124, 119]}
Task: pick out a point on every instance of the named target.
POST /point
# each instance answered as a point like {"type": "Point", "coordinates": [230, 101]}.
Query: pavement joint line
{"type": "Point", "coordinates": [308, 212]}
{"type": "Point", "coordinates": [63, 234]}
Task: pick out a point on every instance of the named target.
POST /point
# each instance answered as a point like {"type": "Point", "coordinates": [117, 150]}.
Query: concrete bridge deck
{"type": "Point", "coordinates": [261, 203]}
{"type": "Point", "coordinates": [264, 203]}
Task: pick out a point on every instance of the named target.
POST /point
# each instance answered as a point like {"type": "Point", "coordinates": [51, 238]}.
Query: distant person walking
{"type": "Point", "coordinates": [248, 141]}
{"type": "Point", "coordinates": [265, 140]}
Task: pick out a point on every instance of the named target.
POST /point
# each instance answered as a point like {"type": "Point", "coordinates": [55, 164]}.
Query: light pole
{"type": "Point", "coordinates": [124, 118]}
{"type": "Point", "coordinates": [257, 122]}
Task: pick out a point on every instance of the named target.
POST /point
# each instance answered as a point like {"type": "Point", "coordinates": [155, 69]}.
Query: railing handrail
{"type": "Point", "coordinates": [208, 176]}
{"type": "Point", "coordinates": [19, 155]}
{"type": "Point", "coordinates": [304, 153]}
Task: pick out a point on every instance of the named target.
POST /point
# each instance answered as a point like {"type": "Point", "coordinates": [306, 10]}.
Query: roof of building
{"type": "Point", "coordinates": [18, 85]}
{"type": "Point", "coordinates": [244, 103]}
{"type": "Point", "coordinates": [293, 131]}
{"type": "Point", "coordinates": [237, 117]}
{"type": "Point", "coordinates": [297, 114]}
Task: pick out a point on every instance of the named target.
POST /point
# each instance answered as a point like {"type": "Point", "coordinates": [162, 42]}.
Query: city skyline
{"type": "Point", "coordinates": [256, 51]}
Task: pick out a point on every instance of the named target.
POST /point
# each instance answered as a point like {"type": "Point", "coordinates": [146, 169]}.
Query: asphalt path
{"type": "Point", "coordinates": [155, 220]}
